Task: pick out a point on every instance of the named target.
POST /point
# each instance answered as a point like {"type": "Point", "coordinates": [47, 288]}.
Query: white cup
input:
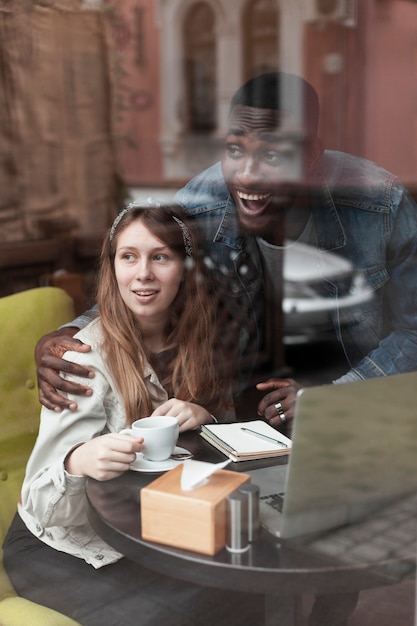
{"type": "Point", "coordinates": [160, 434]}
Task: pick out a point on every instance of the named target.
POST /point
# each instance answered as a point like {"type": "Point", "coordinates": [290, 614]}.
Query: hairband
{"type": "Point", "coordinates": [185, 232]}
{"type": "Point", "coordinates": [185, 235]}
{"type": "Point", "coordinates": [119, 217]}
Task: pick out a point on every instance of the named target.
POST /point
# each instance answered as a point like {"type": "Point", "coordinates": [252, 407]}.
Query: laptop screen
{"type": "Point", "coordinates": [354, 451]}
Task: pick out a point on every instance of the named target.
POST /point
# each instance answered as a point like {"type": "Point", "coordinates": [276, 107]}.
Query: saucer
{"type": "Point", "coordinates": [150, 467]}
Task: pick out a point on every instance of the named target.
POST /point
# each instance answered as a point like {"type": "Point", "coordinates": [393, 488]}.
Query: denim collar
{"type": "Point", "coordinates": [327, 224]}
{"type": "Point", "coordinates": [228, 230]}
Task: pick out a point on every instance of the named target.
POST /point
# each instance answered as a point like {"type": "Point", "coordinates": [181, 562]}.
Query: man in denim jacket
{"type": "Point", "coordinates": [341, 203]}
{"type": "Point", "coordinates": [276, 183]}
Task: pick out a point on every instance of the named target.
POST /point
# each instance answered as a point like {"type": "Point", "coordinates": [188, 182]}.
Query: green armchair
{"type": "Point", "coordinates": [24, 318]}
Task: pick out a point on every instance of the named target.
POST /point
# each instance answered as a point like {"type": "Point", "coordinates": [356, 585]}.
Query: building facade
{"type": "Point", "coordinates": [183, 59]}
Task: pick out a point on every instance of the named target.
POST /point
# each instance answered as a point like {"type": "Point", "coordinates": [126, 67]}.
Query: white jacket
{"type": "Point", "coordinates": [53, 503]}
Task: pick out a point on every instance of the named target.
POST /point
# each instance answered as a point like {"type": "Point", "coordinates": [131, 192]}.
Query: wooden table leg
{"type": "Point", "coordinates": [283, 610]}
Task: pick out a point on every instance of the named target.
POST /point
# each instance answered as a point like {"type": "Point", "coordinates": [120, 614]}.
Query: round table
{"type": "Point", "coordinates": [281, 570]}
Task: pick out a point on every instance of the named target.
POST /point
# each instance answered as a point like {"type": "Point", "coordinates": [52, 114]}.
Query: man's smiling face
{"type": "Point", "coordinates": [262, 163]}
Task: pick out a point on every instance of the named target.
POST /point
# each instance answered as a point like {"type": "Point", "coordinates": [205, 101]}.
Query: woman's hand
{"type": "Point", "coordinates": [189, 415]}
{"type": "Point", "coordinates": [277, 407]}
{"type": "Point", "coordinates": [104, 457]}
{"type": "Point", "coordinates": [49, 363]}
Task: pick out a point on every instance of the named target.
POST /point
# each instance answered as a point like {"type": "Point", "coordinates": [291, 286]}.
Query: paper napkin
{"type": "Point", "coordinates": [196, 473]}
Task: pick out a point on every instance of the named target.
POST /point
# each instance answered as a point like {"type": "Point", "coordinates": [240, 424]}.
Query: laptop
{"type": "Point", "coordinates": [354, 452]}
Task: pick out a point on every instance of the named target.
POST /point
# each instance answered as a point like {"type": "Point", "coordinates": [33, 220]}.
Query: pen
{"type": "Point", "coordinates": [265, 437]}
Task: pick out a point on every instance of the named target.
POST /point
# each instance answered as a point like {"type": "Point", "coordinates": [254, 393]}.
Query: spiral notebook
{"type": "Point", "coordinates": [246, 441]}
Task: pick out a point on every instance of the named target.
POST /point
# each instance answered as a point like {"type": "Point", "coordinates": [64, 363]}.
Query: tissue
{"type": "Point", "coordinates": [186, 507]}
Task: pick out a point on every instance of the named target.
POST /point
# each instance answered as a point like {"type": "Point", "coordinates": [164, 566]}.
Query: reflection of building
{"type": "Point", "coordinates": [57, 168]}
{"type": "Point", "coordinates": [185, 58]}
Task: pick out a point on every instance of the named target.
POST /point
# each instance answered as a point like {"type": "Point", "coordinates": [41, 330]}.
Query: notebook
{"type": "Point", "coordinates": [354, 450]}
{"type": "Point", "coordinates": [246, 441]}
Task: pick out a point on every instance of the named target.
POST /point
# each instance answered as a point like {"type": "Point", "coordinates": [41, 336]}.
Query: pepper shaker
{"type": "Point", "coordinates": [252, 492]}
{"type": "Point", "coordinates": [237, 522]}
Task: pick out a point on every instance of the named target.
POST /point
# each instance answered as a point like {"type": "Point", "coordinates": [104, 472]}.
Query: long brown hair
{"type": "Point", "coordinates": [191, 337]}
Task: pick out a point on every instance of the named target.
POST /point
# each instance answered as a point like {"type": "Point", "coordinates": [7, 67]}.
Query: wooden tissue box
{"type": "Point", "coordinates": [194, 520]}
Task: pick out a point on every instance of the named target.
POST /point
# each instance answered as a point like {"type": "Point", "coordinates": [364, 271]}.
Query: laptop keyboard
{"type": "Point", "coordinates": [275, 500]}
{"type": "Point", "coordinates": [391, 536]}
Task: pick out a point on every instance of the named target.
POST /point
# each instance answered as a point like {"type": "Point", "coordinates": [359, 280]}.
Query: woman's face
{"type": "Point", "coordinates": [148, 274]}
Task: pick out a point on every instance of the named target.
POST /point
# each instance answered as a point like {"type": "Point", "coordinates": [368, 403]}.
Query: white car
{"type": "Point", "coordinates": [306, 305]}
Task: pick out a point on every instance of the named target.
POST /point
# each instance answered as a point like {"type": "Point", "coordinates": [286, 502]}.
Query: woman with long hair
{"type": "Point", "coordinates": [154, 350]}
{"type": "Point", "coordinates": [184, 352]}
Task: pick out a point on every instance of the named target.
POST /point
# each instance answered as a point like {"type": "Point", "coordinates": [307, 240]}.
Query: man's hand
{"type": "Point", "coordinates": [49, 362]}
{"type": "Point", "coordinates": [277, 407]}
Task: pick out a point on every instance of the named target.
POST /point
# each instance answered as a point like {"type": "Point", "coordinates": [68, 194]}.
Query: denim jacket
{"type": "Point", "coordinates": [361, 212]}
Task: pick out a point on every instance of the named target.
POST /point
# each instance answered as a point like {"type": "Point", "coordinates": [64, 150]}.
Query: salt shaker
{"type": "Point", "coordinates": [237, 522]}
{"type": "Point", "coordinates": [253, 509]}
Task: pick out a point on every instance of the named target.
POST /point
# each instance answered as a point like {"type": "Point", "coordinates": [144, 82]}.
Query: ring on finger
{"type": "Point", "coordinates": [281, 413]}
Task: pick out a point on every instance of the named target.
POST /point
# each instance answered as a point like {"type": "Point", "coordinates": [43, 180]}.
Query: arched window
{"type": "Point", "coordinates": [261, 37]}
{"type": "Point", "coordinates": [200, 69]}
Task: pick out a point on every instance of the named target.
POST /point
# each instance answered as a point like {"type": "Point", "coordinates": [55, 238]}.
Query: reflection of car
{"type": "Point", "coordinates": [307, 307]}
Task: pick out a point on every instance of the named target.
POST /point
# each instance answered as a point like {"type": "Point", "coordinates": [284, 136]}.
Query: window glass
{"type": "Point", "coordinates": [261, 37]}
{"type": "Point", "coordinates": [200, 70]}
